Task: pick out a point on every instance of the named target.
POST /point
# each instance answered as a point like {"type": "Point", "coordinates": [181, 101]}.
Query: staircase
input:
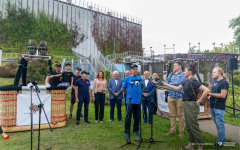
{"type": "Point", "coordinates": [82, 63]}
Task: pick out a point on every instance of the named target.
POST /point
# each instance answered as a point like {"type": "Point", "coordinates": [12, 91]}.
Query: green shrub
{"type": "Point", "coordinates": [9, 70]}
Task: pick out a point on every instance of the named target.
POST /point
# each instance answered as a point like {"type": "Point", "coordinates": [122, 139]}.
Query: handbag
{"type": "Point", "coordinates": [198, 95]}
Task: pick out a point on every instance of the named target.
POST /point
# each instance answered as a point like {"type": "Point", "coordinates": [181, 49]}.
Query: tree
{"type": "Point", "coordinates": [235, 25]}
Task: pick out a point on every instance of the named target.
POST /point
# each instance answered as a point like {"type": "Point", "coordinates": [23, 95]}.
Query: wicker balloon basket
{"type": "Point", "coordinates": [8, 110]}
{"type": "Point", "coordinates": [202, 115]}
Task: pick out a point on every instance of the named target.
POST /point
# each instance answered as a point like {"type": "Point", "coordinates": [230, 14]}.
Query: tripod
{"type": "Point", "coordinates": [140, 120]}
{"type": "Point", "coordinates": [40, 112]}
{"type": "Point", "coordinates": [31, 113]}
{"type": "Point", "coordinates": [151, 140]}
{"type": "Point", "coordinates": [234, 115]}
{"type": "Point", "coordinates": [129, 110]}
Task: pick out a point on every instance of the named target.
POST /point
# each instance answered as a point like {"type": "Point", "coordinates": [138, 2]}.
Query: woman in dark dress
{"type": "Point", "coordinates": [4, 135]}
{"type": "Point", "coordinates": [191, 105]}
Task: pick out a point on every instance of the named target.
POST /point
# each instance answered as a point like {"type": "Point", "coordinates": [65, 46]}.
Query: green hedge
{"type": "Point", "coordinates": [20, 25]}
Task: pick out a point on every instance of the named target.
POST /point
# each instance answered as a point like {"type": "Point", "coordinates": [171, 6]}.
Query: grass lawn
{"type": "Point", "coordinates": [106, 136]}
{"type": "Point", "coordinates": [6, 81]}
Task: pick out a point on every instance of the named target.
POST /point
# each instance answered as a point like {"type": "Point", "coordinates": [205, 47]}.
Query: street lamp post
{"type": "Point", "coordinates": [199, 46]}
{"type": "Point", "coordinates": [222, 46]}
{"type": "Point", "coordinates": [213, 46]}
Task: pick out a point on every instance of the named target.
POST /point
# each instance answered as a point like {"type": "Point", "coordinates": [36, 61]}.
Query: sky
{"type": "Point", "coordinates": [180, 22]}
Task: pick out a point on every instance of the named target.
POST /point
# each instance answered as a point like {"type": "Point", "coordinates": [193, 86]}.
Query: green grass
{"type": "Point", "coordinates": [6, 81]}
{"type": "Point", "coordinates": [106, 136]}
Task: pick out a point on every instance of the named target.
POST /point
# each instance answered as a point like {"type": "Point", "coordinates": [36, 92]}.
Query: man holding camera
{"type": "Point", "coordinates": [132, 88]}
{"type": "Point", "coordinates": [176, 78]}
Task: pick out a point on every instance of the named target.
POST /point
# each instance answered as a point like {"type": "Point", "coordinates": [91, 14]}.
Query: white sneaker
{"type": "Point", "coordinates": [101, 122]}
{"type": "Point", "coordinates": [96, 121]}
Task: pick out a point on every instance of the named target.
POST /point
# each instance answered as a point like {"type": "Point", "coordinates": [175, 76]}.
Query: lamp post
{"type": "Point", "coordinates": [213, 46]}
{"type": "Point", "coordinates": [222, 46]}
{"type": "Point", "coordinates": [199, 46]}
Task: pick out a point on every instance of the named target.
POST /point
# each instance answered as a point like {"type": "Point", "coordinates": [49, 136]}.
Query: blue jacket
{"type": "Point", "coordinates": [113, 88]}
{"type": "Point", "coordinates": [150, 89]}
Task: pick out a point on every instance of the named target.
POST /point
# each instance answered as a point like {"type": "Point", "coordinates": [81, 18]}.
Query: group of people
{"type": "Point", "coordinates": [182, 101]}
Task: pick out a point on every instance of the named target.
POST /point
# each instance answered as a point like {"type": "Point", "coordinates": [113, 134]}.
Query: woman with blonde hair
{"type": "Point", "coordinates": [218, 96]}
{"type": "Point", "coordinates": [99, 89]}
{"type": "Point", "coordinates": [155, 77]}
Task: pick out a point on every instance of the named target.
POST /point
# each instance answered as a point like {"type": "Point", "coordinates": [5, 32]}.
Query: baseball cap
{"type": "Point", "coordinates": [57, 65]}
{"type": "Point", "coordinates": [133, 66]}
{"type": "Point", "coordinates": [84, 72]}
{"type": "Point", "coordinates": [67, 64]}
{"type": "Point", "coordinates": [78, 68]}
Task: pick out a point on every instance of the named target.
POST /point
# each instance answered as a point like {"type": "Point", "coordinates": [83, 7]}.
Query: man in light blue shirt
{"type": "Point", "coordinates": [133, 100]}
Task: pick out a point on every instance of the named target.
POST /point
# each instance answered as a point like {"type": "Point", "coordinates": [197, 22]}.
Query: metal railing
{"type": "Point", "coordinates": [17, 55]}
{"type": "Point", "coordinates": [135, 57]}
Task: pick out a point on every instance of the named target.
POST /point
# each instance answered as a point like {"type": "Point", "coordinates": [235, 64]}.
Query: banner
{"type": "Point", "coordinates": [162, 105]}
{"type": "Point", "coordinates": [23, 111]}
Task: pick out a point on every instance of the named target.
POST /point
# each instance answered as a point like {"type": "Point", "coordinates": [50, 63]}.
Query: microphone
{"type": "Point", "coordinates": [29, 84]}
{"type": "Point", "coordinates": [132, 82]}
{"type": "Point", "coordinates": [159, 82]}
{"type": "Point", "coordinates": [139, 80]}
{"type": "Point", "coordinates": [150, 78]}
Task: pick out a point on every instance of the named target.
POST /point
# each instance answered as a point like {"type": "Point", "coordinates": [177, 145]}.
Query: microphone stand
{"type": "Point", "coordinates": [151, 140]}
{"type": "Point", "coordinates": [40, 112]}
{"type": "Point", "coordinates": [140, 120]}
{"type": "Point", "coordinates": [129, 110]}
{"type": "Point", "coordinates": [31, 114]}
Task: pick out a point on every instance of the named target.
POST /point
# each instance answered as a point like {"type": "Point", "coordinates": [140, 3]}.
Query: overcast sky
{"type": "Point", "coordinates": [180, 21]}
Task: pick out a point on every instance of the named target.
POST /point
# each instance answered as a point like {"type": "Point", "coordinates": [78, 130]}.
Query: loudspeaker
{"type": "Point", "coordinates": [232, 64]}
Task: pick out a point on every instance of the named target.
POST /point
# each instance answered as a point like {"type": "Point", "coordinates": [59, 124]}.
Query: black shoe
{"type": "Point", "coordinates": [219, 144]}
{"type": "Point", "coordinates": [70, 116]}
{"type": "Point", "coordinates": [78, 122]}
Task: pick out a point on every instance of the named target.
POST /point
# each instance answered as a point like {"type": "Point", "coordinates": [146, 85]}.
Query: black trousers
{"type": "Point", "coordinates": [135, 110]}
{"type": "Point", "coordinates": [99, 100]}
{"type": "Point", "coordinates": [1, 131]}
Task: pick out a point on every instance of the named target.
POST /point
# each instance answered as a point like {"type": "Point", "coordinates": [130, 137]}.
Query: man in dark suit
{"type": "Point", "coordinates": [115, 95]}
{"type": "Point", "coordinates": [147, 97]}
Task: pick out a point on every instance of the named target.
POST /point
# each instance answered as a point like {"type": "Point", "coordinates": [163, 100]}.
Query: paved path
{"type": "Point", "coordinates": [232, 131]}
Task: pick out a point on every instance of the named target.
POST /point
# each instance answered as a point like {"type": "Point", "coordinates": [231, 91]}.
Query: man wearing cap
{"type": "Point", "coordinates": [52, 79]}
{"type": "Point", "coordinates": [73, 98]}
{"type": "Point", "coordinates": [82, 94]}
{"type": "Point", "coordinates": [133, 93]}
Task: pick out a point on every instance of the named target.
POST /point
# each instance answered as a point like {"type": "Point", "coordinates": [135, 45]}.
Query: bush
{"type": "Point", "coordinates": [9, 70]}
{"type": "Point", "coordinates": [37, 70]}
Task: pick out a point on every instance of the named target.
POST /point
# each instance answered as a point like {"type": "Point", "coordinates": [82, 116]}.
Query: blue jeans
{"type": "Point", "coordinates": [218, 118]}
{"type": "Point", "coordinates": [119, 111]}
{"type": "Point", "coordinates": [147, 104]}
{"type": "Point", "coordinates": [135, 110]}
{"type": "Point", "coordinates": [86, 104]}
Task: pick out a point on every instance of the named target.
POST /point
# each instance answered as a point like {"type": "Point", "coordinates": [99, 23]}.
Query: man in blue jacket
{"type": "Point", "coordinates": [147, 97]}
{"type": "Point", "coordinates": [115, 95]}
